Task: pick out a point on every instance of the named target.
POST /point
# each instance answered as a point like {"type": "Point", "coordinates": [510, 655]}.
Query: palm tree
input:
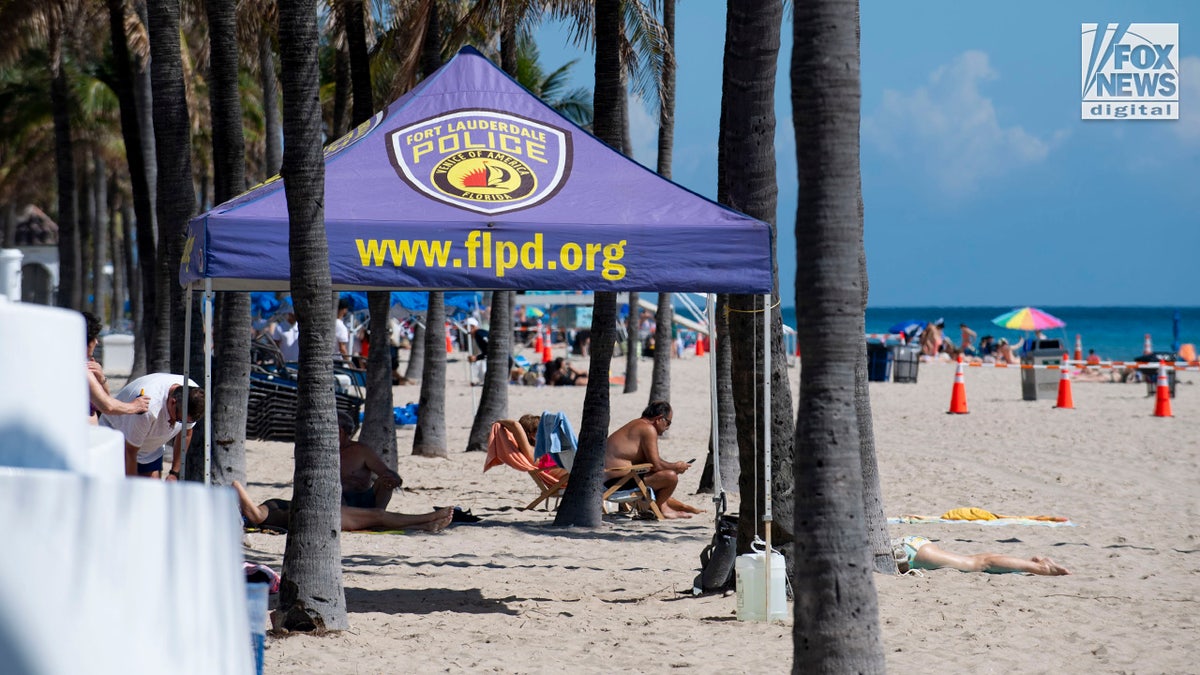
{"type": "Point", "coordinates": [379, 426]}
{"type": "Point", "coordinates": [747, 183]}
{"type": "Point", "coordinates": [429, 439]}
{"type": "Point", "coordinates": [311, 597]}
{"type": "Point", "coordinates": [232, 330]}
{"type": "Point", "coordinates": [176, 194]}
{"type": "Point", "coordinates": [836, 612]}
{"type": "Point", "coordinates": [660, 376]}
{"type": "Point", "coordinates": [631, 337]}
{"type": "Point", "coordinates": [877, 532]}
{"type": "Point", "coordinates": [142, 303]}
{"type": "Point", "coordinates": [579, 503]}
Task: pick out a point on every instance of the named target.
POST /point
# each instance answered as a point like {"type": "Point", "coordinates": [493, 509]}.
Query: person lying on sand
{"type": "Point", "coordinates": [274, 513]}
{"type": "Point", "coordinates": [918, 553]}
{"type": "Point", "coordinates": [637, 443]}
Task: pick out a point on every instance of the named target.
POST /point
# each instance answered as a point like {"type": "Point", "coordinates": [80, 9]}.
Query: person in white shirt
{"type": "Point", "coordinates": [145, 433]}
{"type": "Point", "coordinates": [286, 334]}
{"type": "Point", "coordinates": [341, 333]}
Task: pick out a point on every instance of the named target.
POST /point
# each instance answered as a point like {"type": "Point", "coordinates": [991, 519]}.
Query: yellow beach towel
{"type": "Point", "coordinates": [976, 513]}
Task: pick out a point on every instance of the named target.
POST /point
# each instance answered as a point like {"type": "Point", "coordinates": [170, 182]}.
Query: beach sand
{"type": "Point", "coordinates": [513, 594]}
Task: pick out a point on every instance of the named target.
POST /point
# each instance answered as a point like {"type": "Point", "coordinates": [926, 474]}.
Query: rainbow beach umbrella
{"type": "Point", "coordinates": [1028, 318]}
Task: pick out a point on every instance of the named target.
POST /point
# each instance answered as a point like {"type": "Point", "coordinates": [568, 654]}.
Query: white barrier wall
{"type": "Point", "coordinates": [43, 393]}
{"type": "Point", "coordinates": [100, 573]}
{"type": "Point", "coordinates": [120, 576]}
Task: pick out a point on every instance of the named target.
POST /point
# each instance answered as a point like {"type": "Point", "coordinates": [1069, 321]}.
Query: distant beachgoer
{"type": "Point", "coordinates": [968, 340]}
{"type": "Point", "coordinates": [286, 334]}
{"type": "Point", "coordinates": [1004, 353]}
{"type": "Point", "coordinates": [1093, 358]}
{"type": "Point", "coordinates": [918, 553]}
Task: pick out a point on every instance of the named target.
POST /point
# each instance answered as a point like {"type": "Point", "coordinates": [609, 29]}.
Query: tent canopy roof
{"type": "Point", "coordinates": [470, 181]}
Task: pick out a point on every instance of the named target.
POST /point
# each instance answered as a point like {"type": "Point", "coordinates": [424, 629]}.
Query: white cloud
{"type": "Point", "coordinates": [643, 132]}
{"type": "Point", "coordinates": [1187, 127]}
{"type": "Point", "coordinates": [951, 129]}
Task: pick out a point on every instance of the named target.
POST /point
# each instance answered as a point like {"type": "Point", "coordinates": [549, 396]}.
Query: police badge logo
{"type": "Point", "coordinates": [482, 160]}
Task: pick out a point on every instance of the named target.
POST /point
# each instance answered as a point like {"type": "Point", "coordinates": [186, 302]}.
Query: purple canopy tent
{"type": "Point", "coordinates": [469, 181]}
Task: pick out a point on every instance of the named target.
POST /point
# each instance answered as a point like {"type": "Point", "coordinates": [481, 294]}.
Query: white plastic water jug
{"type": "Point", "coordinates": [750, 571]}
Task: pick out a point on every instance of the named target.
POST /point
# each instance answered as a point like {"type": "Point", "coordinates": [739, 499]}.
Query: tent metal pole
{"type": "Point", "coordinates": [208, 350]}
{"type": "Point", "coordinates": [718, 487]}
{"type": "Point", "coordinates": [766, 422]}
{"type": "Point", "coordinates": [187, 355]}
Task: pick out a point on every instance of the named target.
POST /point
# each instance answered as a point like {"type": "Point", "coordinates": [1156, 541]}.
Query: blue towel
{"type": "Point", "coordinates": [554, 436]}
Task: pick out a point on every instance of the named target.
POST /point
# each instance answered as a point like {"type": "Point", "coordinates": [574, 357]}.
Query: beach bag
{"type": "Point", "coordinates": [717, 560]}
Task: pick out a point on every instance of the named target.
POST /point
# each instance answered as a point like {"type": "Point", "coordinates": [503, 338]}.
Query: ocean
{"type": "Point", "coordinates": [1114, 332]}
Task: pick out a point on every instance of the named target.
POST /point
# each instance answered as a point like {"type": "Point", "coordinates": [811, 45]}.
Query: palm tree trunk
{"type": "Point", "coordinates": [157, 308]}
{"type": "Point", "coordinates": [660, 377]}
{"type": "Point", "coordinates": [379, 426]}
{"type": "Point", "coordinates": [134, 282]}
{"type": "Point", "coordinates": [341, 93]}
{"type": "Point", "coordinates": [120, 290]}
{"type": "Point", "coordinates": [99, 234]}
{"type": "Point", "coordinates": [632, 345]}
{"type": "Point", "coordinates": [493, 402]}
{"type": "Point", "coordinates": [747, 156]}
{"type": "Point", "coordinates": [836, 625]}
{"type": "Point", "coordinates": [581, 501]}
{"type": "Point", "coordinates": [311, 596]}
{"type": "Point", "coordinates": [70, 286]}
{"type": "Point", "coordinates": [415, 369]}
{"type": "Point", "coordinates": [270, 102]}
{"type": "Point", "coordinates": [379, 422]}
{"type": "Point", "coordinates": [877, 532]}
{"type": "Point", "coordinates": [429, 440]}
{"type": "Point", "coordinates": [232, 330]}
{"type": "Point", "coordinates": [176, 194]}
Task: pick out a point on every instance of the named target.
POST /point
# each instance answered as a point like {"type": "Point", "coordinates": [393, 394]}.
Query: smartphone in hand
{"type": "Point", "coordinates": [692, 461]}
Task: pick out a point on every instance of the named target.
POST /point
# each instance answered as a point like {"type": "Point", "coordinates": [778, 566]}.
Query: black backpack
{"type": "Point", "coordinates": [717, 559]}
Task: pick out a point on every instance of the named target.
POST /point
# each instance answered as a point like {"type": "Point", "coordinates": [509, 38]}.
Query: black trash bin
{"type": "Point", "coordinates": [1149, 372]}
{"type": "Point", "coordinates": [879, 362]}
{"type": "Point", "coordinates": [906, 361]}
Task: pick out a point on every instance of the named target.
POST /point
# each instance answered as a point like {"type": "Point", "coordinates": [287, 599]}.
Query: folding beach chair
{"type": "Point", "coordinates": [631, 489]}
{"type": "Point", "coordinates": [503, 449]}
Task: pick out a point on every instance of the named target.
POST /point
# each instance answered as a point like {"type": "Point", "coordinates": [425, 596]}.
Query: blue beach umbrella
{"type": "Point", "coordinates": [907, 327]}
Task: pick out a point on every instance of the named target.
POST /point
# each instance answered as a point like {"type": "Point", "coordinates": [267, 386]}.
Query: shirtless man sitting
{"type": "Point", "coordinates": [359, 462]}
{"type": "Point", "coordinates": [637, 443]}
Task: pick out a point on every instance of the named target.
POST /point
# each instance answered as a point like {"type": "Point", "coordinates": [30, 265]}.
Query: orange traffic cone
{"type": "Point", "coordinates": [1162, 394]}
{"type": "Point", "coordinates": [1147, 346]}
{"type": "Point", "coordinates": [699, 346]}
{"type": "Point", "coordinates": [547, 355]}
{"type": "Point", "coordinates": [537, 343]}
{"type": "Point", "coordinates": [449, 343]}
{"type": "Point", "coordinates": [1065, 400]}
{"type": "Point", "coordinates": [958, 396]}
{"type": "Point", "coordinates": [1078, 347]}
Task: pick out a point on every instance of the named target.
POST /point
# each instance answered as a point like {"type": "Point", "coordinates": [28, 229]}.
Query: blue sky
{"type": "Point", "coordinates": [982, 184]}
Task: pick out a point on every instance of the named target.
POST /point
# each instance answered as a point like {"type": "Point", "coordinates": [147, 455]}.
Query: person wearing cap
{"type": "Point", "coordinates": [146, 433]}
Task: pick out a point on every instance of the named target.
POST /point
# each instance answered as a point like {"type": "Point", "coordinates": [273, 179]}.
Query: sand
{"type": "Point", "coordinates": [513, 594]}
